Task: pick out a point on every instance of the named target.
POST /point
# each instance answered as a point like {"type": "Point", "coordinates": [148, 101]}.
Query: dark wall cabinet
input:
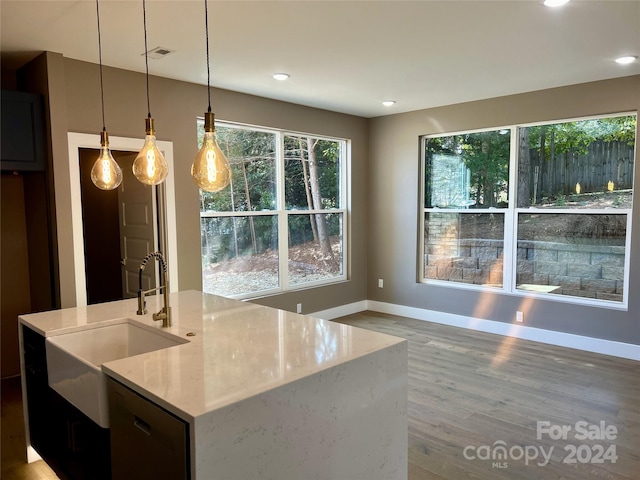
{"type": "Point", "coordinates": [147, 442]}
{"type": "Point", "coordinates": [22, 132]}
{"type": "Point", "coordinates": [74, 446]}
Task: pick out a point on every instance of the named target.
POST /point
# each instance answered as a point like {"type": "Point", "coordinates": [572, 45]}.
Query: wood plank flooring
{"type": "Point", "coordinates": [470, 388]}
{"type": "Point", "coordinates": [473, 389]}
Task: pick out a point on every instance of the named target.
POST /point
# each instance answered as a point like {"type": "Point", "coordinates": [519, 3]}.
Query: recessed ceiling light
{"type": "Point", "coordinates": [281, 76]}
{"type": "Point", "coordinates": [627, 59]}
{"type": "Point", "coordinates": [388, 103]}
{"type": "Point", "coordinates": [554, 3]}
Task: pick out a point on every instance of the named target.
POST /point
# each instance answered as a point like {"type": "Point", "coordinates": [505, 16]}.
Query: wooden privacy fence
{"type": "Point", "coordinates": [603, 162]}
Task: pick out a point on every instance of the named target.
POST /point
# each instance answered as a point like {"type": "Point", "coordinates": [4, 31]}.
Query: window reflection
{"type": "Point", "coordinates": [467, 170]}
{"type": "Point", "coordinates": [250, 347]}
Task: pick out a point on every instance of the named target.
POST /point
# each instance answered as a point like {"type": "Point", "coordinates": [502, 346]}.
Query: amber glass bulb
{"type": "Point", "coordinates": [106, 173]}
{"type": "Point", "coordinates": [211, 170]}
{"type": "Point", "coordinates": [150, 167]}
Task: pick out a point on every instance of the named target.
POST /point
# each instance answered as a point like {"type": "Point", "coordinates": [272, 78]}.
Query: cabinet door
{"type": "Point", "coordinates": [74, 446]}
{"type": "Point", "coordinates": [147, 442]}
{"type": "Point", "coordinates": [23, 132]}
{"type": "Point", "coordinates": [41, 422]}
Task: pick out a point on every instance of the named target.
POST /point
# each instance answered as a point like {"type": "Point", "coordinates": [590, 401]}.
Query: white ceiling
{"type": "Point", "coordinates": [345, 56]}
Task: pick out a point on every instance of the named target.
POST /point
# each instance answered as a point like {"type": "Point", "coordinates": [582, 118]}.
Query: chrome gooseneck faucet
{"type": "Point", "coordinates": [165, 313]}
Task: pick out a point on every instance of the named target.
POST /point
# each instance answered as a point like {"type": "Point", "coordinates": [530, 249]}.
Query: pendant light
{"type": "Point", "coordinates": [149, 167]}
{"type": "Point", "coordinates": [210, 169]}
{"type": "Point", "coordinates": [105, 173]}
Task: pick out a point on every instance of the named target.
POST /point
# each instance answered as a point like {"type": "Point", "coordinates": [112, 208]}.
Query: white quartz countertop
{"type": "Point", "coordinates": [239, 349]}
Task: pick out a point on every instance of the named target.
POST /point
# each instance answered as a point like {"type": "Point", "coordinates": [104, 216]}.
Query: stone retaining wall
{"type": "Point", "coordinates": [579, 270]}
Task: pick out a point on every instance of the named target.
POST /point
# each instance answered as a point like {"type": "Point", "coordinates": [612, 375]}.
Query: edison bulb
{"type": "Point", "coordinates": [150, 167]}
{"type": "Point", "coordinates": [210, 169]}
{"type": "Point", "coordinates": [106, 174]}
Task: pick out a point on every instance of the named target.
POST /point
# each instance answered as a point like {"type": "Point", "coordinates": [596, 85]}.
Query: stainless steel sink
{"type": "Point", "coordinates": [74, 361]}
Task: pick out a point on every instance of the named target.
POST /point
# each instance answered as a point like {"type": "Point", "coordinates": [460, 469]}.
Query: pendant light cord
{"type": "Point", "coordinates": [206, 32]}
{"type": "Point", "coordinates": [104, 127]}
{"type": "Point", "coordinates": [146, 54]}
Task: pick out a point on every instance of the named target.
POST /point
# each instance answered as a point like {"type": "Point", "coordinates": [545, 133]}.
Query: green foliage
{"type": "Point", "coordinates": [327, 157]}
{"type": "Point", "coordinates": [486, 157]}
{"type": "Point", "coordinates": [300, 231]}
{"type": "Point", "coordinates": [618, 200]}
{"type": "Point", "coordinates": [252, 155]}
{"type": "Point", "coordinates": [224, 238]}
{"type": "Point", "coordinates": [564, 154]}
{"type": "Point", "coordinates": [578, 136]}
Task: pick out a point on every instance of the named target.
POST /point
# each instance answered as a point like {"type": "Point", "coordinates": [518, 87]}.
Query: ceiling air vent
{"type": "Point", "coordinates": [158, 52]}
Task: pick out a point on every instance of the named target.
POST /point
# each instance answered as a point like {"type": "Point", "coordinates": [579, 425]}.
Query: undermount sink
{"type": "Point", "coordinates": [74, 361]}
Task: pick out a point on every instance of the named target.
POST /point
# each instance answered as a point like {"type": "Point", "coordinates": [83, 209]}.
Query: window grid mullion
{"type": "Point", "coordinates": [421, 212]}
{"type": "Point", "coordinates": [510, 252]}
{"type": "Point", "coordinates": [343, 176]}
{"type": "Point", "coordinates": [346, 204]}
{"type": "Point", "coordinates": [283, 217]}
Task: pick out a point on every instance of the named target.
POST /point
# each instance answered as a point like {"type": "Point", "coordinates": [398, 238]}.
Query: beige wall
{"type": "Point", "coordinates": [394, 214]}
{"type": "Point", "coordinates": [384, 195]}
{"type": "Point", "coordinates": [43, 75]}
{"type": "Point", "coordinates": [14, 270]}
{"type": "Point", "coordinates": [175, 106]}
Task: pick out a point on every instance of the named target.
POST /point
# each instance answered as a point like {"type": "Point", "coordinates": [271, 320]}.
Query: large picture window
{"type": "Point", "coordinates": [281, 223]}
{"type": "Point", "coordinates": [532, 210]}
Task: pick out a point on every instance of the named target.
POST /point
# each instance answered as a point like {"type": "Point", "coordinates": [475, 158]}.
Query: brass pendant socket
{"type": "Point", "coordinates": [104, 138]}
{"type": "Point", "coordinates": [209, 121]}
{"type": "Point", "coordinates": [150, 127]}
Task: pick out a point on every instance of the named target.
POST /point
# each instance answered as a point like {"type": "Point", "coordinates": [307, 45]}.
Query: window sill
{"type": "Point", "coordinates": [539, 292]}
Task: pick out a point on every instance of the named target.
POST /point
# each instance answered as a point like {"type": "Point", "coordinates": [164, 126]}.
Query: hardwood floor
{"type": "Point", "coordinates": [470, 389]}
{"type": "Point", "coordinates": [473, 389]}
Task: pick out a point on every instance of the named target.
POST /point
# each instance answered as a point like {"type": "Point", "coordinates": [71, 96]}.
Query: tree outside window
{"type": "Point", "coordinates": [280, 223]}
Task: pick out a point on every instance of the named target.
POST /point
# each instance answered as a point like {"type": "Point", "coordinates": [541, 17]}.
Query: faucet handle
{"type": "Point", "coordinates": [165, 315]}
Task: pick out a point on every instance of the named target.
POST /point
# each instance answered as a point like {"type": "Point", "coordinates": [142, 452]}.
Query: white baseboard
{"type": "Point", "coordinates": [342, 310]}
{"type": "Point", "coordinates": [561, 339]}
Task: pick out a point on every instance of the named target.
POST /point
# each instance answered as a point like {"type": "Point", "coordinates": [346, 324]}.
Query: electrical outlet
{"type": "Point", "coordinates": [519, 316]}
{"type": "Point", "coordinates": [299, 308]}
{"type": "Point", "coordinates": [380, 283]}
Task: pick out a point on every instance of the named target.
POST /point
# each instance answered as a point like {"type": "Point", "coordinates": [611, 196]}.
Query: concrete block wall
{"type": "Point", "coordinates": [472, 261]}
{"type": "Point", "coordinates": [579, 270]}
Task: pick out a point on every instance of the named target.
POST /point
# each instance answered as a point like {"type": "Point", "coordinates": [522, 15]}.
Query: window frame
{"type": "Point", "coordinates": [282, 213]}
{"type": "Point", "coordinates": [511, 212]}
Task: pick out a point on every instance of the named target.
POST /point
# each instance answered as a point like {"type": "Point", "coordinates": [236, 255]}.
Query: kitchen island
{"type": "Point", "coordinates": [262, 393]}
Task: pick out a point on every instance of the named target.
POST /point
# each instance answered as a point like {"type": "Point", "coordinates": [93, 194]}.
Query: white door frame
{"type": "Point", "coordinates": [83, 140]}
